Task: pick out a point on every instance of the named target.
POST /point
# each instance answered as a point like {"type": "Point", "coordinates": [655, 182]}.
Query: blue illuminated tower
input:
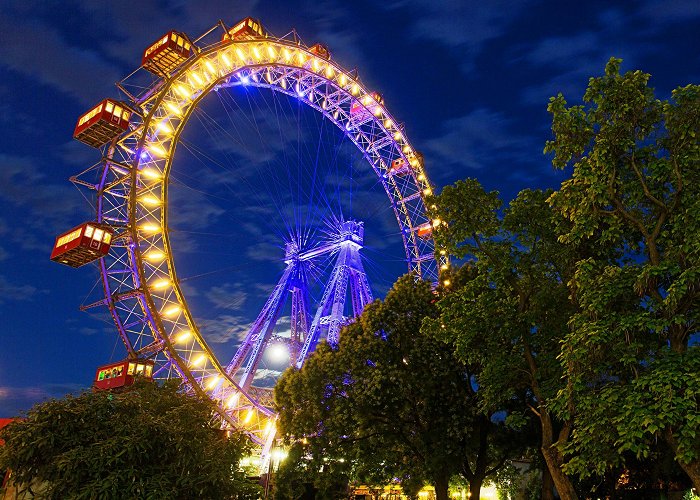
{"type": "Point", "coordinates": [344, 242]}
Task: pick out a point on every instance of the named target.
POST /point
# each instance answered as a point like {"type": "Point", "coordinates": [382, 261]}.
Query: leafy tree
{"type": "Point", "coordinates": [510, 305]}
{"type": "Point", "coordinates": [392, 403]}
{"type": "Point", "coordinates": [631, 356]}
{"type": "Point", "coordinates": [149, 442]}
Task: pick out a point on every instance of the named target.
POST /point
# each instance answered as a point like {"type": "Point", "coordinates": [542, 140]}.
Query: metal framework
{"type": "Point", "coordinates": [140, 283]}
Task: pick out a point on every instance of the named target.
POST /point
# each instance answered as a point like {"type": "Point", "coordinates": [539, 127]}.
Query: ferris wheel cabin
{"type": "Point", "coordinates": [320, 50]}
{"type": "Point", "coordinates": [424, 230]}
{"type": "Point", "coordinates": [101, 124]}
{"type": "Point", "coordinates": [247, 29]}
{"type": "Point", "coordinates": [166, 54]}
{"type": "Point", "coordinates": [82, 245]}
{"type": "Point", "coordinates": [122, 374]}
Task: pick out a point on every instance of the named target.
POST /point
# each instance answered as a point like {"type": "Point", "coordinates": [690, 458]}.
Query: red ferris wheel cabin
{"type": "Point", "coordinates": [122, 374]}
{"type": "Point", "coordinates": [102, 123]}
{"type": "Point", "coordinates": [82, 244]}
{"type": "Point", "coordinates": [247, 29]}
{"type": "Point", "coordinates": [167, 53]}
{"type": "Point", "coordinates": [320, 50]}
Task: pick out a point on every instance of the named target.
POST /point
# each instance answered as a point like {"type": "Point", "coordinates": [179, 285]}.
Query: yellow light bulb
{"type": "Point", "coordinates": [155, 256]}
{"type": "Point", "coordinates": [213, 381]}
{"type": "Point", "coordinates": [173, 107]}
{"type": "Point", "coordinates": [227, 61]}
{"type": "Point", "coordinates": [150, 201]}
{"type": "Point", "coordinates": [157, 150]}
{"type": "Point", "coordinates": [183, 336]}
{"type": "Point", "coordinates": [329, 72]}
{"type": "Point", "coordinates": [171, 311]}
{"type": "Point", "coordinates": [196, 78]}
{"type": "Point", "coordinates": [150, 228]}
{"type": "Point", "coordinates": [249, 416]}
{"type": "Point", "coordinates": [256, 52]}
{"type": "Point", "coordinates": [210, 67]}
{"type": "Point", "coordinates": [184, 92]}
{"type": "Point", "coordinates": [287, 55]}
{"type": "Point", "coordinates": [199, 360]}
{"type": "Point", "coordinates": [271, 52]}
{"type": "Point", "coordinates": [164, 127]}
{"type": "Point", "coordinates": [160, 284]}
{"type": "Point", "coordinates": [240, 55]}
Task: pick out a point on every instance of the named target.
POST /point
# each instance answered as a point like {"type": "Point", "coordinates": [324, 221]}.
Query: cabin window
{"type": "Point", "coordinates": [117, 111]}
{"type": "Point", "coordinates": [179, 41]}
{"type": "Point", "coordinates": [173, 37]}
{"type": "Point", "coordinates": [107, 237]}
{"type": "Point", "coordinates": [88, 231]}
{"type": "Point", "coordinates": [125, 114]}
{"type": "Point", "coordinates": [130, 370]}
{"type": "Point", "coordinates": [109, 107]}
{"type": "Point", "coordinates": [98, 234]}
{"type": "Point", "coordinates": [187, 46]}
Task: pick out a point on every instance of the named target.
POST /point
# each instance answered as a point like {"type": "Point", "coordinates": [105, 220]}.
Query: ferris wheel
{"type": "Point", "coordinates": [132, 238]}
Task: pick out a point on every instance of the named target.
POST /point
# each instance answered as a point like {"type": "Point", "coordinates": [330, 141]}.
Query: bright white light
{"type": "Point", "coordinates": [278, 353]}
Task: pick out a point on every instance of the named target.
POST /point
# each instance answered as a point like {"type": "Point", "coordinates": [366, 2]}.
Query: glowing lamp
{"type": "Point", "coordinates": [160, 284]}
{"type": "Point", "coordinates": [199, 360]}
{"type": "Point", "coordinates": [183, 336]}
{"type": "Point", "coordinates": [155, 255]}
{"type": "Point", "coordinates": [171, 311]}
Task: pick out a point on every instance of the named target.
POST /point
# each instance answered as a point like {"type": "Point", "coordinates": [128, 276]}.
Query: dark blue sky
{"type": "Point", "coordinates": [470, 80]}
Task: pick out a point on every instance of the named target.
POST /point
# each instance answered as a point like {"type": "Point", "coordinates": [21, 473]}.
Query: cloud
{"type": "Point", "coordinates": [480, 138]}
{"type": "Point", "coordinates": [47, 209]}
{"type": "Point", "coordinates": [39, 52]}
{"type": "Point", "coordinates": [13, 292]}
{"type": "Point", "coordinates": [463, 26]}
{"type": "Point", "coordinates": [670, 11]}
{"type": "Point", "coordinates": [14, 400]}
{"type": "Point", "coordinates": [227, 296]}
{"type": "Point", "coordinates": [224, 328]}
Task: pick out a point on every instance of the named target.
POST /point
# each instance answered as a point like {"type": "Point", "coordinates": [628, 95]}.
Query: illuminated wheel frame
{"type": "Point", "coordinates": [140, 283]}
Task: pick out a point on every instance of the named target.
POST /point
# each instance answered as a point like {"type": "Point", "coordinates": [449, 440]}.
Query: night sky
{"type": "Point", "coordinates": [470, 80]}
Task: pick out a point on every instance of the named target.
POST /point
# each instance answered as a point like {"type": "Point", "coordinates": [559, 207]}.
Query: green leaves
{"type": "Point", "coordinates": [149, 442]}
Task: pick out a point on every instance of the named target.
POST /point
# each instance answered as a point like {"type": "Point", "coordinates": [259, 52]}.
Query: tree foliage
{"type": "Point", "coordinates": [149, 442]}
{"type": "Point", "coordinates": [509, 305]}
{"type": "Point", "coordinates": [390, 402]}
{"type": "Point", "coordinates": [630, 356]}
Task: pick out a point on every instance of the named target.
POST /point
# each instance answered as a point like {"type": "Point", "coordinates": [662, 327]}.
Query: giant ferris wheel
{"type": "Point", "coordinates": [132, 239]}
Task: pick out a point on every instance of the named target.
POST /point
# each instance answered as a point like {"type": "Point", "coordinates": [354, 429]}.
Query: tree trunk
{"type": "Point", "coordinates": [442, 483]}
{"type": "Point", "coordinates": [475, 488]}
{"type": "Point", "coordinates": [692, 468]}
{"type": "Point", "coordinates": [547, 484]}
{"type": "Point", "coordinates": [553, 457]}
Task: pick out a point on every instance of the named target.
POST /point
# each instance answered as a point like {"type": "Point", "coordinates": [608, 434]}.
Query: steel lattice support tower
{"type": "Point", "coordinates": [345, 241]}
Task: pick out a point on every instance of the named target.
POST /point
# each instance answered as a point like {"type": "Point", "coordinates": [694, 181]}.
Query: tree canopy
{"type": "Point", "coordinates": [148, 442]}
{"type": "Point", "coordinates": [631, 355]}
{"type": "Point", "coordinates": [390, 402]}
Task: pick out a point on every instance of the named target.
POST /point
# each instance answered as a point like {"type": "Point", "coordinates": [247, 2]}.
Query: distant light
{"type": "Point", "coordinates": [245, 80]}
{"type": "Point", "coordinates": [172, 311]}
{"type": "Point", "coordinates": [278, 353]}
{"type": "Point", "coordinates": [183, 336]}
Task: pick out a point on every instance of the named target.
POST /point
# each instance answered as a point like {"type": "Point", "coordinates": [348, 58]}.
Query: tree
{"type": "Point", "coordinates": [630, 357]}
{"type": "Point", "coordinates": [149, 442]}
{"type": "Point", "coordinates": [509, 306]}
{"type": "Point", "coordinates": [390, 402]}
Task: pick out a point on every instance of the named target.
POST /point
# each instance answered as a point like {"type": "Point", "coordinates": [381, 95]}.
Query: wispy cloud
{"type": "Point", "coordinates": [15, 399]}
{"type": "Point", "coordinates": [463, 26]}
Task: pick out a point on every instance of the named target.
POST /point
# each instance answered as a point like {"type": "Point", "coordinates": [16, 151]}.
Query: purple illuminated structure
{"type": "Point", "coordinates": [345, 241]}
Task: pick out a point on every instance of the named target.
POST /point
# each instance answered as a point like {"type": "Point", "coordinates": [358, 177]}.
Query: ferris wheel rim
{"type": "Point", "coordinates": [148, 303]}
